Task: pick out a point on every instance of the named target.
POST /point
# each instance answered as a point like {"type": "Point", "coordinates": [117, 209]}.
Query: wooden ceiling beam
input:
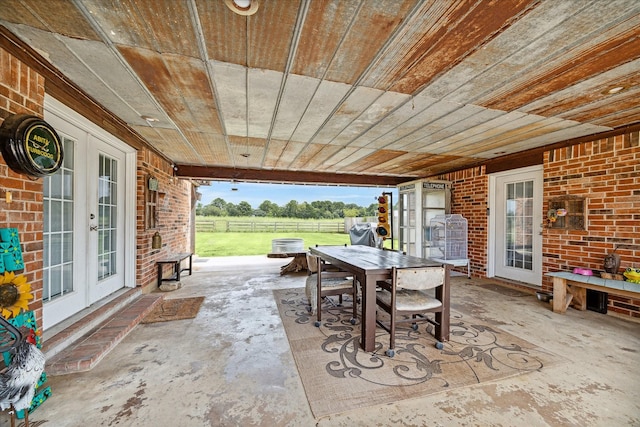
{"type": "Point", "coordinates": [535, 156]}
{"type": "Point", "coordinates": [230, 174]}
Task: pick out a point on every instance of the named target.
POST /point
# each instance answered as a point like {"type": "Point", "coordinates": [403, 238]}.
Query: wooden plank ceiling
{"type": "Point", "coordinates": [382, 91]}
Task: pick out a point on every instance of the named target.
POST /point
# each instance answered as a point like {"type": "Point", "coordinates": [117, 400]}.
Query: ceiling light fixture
{"type": "Point", "coordinates": [149, 119]}
{"type": "Point", "coordinates": [243, 7]}
{"type": "Point", "coordinates": [616, 89]}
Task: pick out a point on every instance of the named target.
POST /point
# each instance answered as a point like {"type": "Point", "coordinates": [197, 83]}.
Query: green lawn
{"type": "Point", "coordinates": [220, 243]}
{"type": "Point", "coordinates": [233, 244]}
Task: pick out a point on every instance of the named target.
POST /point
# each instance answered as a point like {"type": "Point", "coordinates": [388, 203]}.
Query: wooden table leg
{"type": "Point", "coordinates": [318, 290]}
{"type": "Point", "coordinates": [443, 293]}
{"type": "Point", "coordinates": [368, 324]}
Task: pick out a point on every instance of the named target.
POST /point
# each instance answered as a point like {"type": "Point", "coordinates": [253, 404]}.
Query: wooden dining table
{"type": "Point", "coordinates": [368, 265]}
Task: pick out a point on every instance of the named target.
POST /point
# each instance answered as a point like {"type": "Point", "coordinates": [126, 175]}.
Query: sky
{"type": "Point", "coordinates": [281, 194]}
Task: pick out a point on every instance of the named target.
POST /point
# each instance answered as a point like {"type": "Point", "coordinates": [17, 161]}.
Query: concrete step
{"type": "Point", "coordinates": [85, 352]}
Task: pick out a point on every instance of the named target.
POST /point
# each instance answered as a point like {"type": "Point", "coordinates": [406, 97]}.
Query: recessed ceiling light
{"type": "Point", "coordinates": [243, 7]}
{"type": "Point", "coordinates": [149, 119]}
{"type": "Point", "coordinates": [616, 89]}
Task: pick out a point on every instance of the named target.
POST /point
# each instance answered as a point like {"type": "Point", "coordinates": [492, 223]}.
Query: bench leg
{"type": "Point", "coordinates": [561, 299]}
{"type": "Point", "coordinates": [579, 297]}
{"type": "Point", "coordinates": [159, 275]}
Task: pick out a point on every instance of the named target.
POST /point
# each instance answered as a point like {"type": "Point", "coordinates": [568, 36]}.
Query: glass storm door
{"type": "Point", "coordinates": [518, 243]}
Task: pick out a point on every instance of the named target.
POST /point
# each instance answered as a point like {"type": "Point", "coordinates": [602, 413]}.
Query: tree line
{"type": "Point", "coordinates": [315, 210]}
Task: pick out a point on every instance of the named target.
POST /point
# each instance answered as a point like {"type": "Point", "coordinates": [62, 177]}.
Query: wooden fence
{"type": "Point", "coordinates": [268, 227]}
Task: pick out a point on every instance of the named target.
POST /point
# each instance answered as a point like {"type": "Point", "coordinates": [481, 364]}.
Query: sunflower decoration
{"type": "Point", "coordinates": [15, 294]}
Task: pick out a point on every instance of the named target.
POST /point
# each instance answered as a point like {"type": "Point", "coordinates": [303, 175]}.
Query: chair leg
{"type": "Point", "coordinates": [392, 334]}
{"type": "Point", "coordinates": [354, 307]}
{"type": "Point", "coordinates": [319, 313]}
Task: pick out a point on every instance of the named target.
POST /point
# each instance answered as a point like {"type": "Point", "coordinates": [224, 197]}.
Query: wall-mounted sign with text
{"type": "Point", "coordinates": [434, 185]}
{"type": "Point", "coordinates": [30, 145]}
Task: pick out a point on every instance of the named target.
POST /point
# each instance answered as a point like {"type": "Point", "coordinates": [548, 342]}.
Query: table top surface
{"type": "Point", "coordinates": [369, 259]}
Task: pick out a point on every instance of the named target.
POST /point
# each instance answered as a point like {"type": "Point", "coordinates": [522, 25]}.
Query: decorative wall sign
{"type": "Point", "coordinates": [30, 145]}
{"type": "Point", "coordinates": [27, 320]}
{"type": "Point", "coordinates": [10, 252]}
{"type": "Point", "coordinates": [434, 185]}
{"type": "Point", "coordinates": [153, 183]}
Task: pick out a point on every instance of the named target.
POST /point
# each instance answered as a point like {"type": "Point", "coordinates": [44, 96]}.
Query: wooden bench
{"type": "Point", "coordinates": [570, 288]}
{"type": "Point", "coordinates": [176, 261]}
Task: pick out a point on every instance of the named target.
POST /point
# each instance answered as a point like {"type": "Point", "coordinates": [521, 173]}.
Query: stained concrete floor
{"type": "Point", "coordinates": [231, 366]}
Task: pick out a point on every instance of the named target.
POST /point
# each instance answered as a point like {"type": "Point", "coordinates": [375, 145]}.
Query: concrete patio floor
{"type": "Point", "coordinates": [232, 366]}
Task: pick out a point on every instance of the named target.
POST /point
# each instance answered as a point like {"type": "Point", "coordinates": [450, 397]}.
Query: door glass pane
{"type": "Point", "coordinates": [55, 220]}
{"type": "Point", "coordinates": [58, 233]}
{"type": "Point", "coordinates": [107, 223]}
{"type": "Point", "coordinates": [412, 211]}
{"type": "Point", "coordinates": [519, 225]}
{"type": "Point", "coordinates": [408, 222]}
{"type": "Point", "coordinates": [434, 199]}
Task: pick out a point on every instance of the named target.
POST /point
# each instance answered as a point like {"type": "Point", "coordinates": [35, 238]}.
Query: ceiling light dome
{"type": "Point", "coordinates": [243, 7]}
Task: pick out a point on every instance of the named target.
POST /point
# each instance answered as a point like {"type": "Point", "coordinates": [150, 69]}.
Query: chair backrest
{"type": "Point", "coordinates": [312, 263]}
{"type": "Point", "coordinates": [418, 278]}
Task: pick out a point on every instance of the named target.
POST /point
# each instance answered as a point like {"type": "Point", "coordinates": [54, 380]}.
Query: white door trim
{"type": "Point", "coordinates": [491, 241]}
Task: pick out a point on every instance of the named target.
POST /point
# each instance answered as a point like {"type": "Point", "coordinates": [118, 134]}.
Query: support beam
{"type": "Point", "coordinates": [227, 174]}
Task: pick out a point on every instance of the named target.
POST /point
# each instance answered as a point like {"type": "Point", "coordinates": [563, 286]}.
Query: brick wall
{"type": "Point", "coordinates": [174, 217]}
{"type": "Point", "coordinates": [607, 174]}
{"type": "Point", "coordinates": [22, 91]}
{"type": "Point", "coordinates": [469, 198]}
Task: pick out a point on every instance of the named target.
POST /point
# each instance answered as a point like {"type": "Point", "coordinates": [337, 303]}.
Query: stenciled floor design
{"type": "Point", "coordinates": [338, 375]}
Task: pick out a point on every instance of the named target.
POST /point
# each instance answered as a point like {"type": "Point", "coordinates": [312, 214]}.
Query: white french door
{"type": "Point", "coordinates": [515, 217]}
{"type": "Point", "coordinates": [105, 221]}
{"type": "Point", "coordinates": [63, 245]}
{"type": "Point", "coordinates": [89, 218]}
